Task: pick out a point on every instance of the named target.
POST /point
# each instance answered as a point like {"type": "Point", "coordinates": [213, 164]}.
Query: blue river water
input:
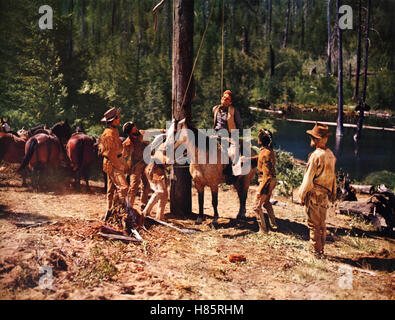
{"type": "Point", "coordinates": [376, 148]}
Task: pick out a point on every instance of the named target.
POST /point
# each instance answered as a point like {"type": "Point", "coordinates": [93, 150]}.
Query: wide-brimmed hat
{"type": "Point", "coordinates": [127, 127]}
{"type": "Point", "coordinates": [319, 131]}
{"type": "Point", "coordinates": [110, 115]}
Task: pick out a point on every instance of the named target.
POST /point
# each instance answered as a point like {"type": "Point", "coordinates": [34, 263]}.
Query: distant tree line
{"type": "Point", "coordinates": [104, 53]}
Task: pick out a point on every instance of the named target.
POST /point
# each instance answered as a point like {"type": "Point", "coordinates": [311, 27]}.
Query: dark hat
{"type": "Point", "coordinates": [127, 127]}
{"type": "Point", "coordinates": [319, 131]}
{"type": "Point", "coordinates": [111, 114]}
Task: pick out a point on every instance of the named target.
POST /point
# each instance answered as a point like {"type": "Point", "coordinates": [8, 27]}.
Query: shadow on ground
{"type": "Point", "coordinates": [371, 263]}
{"type": "Point", "coordinates": [17, 217]}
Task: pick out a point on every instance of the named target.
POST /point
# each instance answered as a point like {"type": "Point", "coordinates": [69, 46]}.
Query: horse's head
{"type": "Point", "coordinates": [5, 127]}
{"type": "Point", "coordinates": [22, 133]}
{"type": "Point", "coordinates": [62, 130]}
{"type": "Point", "coordinates": [177, 133]}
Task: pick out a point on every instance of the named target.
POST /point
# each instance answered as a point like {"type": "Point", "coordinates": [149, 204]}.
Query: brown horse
{"type": "Point", "coordinates": [12, 150]}
{"type": "Point", "coordinates": [82, 152]}
{"type": "Point", "coordinates": [210, 174]}
{"type": "Point", "coordinates": [12, 146]}
{"type": "Point", "coordinates": [45, 151]}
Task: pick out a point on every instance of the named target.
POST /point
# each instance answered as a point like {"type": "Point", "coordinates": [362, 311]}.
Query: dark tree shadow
{"type": "Point", "coordinates": [16, 217]}
{"type": "Point", "coordinates": [359, 233]}
{"type": "Point", "coordinates": [372, 263]}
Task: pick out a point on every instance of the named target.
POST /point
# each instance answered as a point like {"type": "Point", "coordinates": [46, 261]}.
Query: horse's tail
{"type": "Point", "coordinates": [80, 148]}
{"type": "Point", "coordinates": [29, 153]}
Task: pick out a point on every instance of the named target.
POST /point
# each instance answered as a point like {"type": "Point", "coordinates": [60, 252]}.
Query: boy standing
{"type": "Point", "coordinates": [319, 185]}
{"type": "Point", "coordinates": [267, 177]}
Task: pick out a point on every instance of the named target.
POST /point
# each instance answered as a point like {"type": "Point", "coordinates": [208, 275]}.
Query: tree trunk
{"type": "Point", "coordinates": [302, 25]}
{"type": "Point", "coordinates": [357, 136]}
{"type": "Point", "coordinates": [286, 25]}
{"type": "Point", "coordinates": [339, 129]}
{"type": "Point", "coordinates": [266, 15]}
{"type": "Point", "coordinates": [71, 41]}
{"type": "Point", "coordinates": [245, 41]}
{"type": "Point", "coordinates": [272, 61]}
{"type": "Point", "coordinates": [114, 8]}
{"type": "Point", "coordinates": [365, 74]}
{"type": "Point", "coordinates": [124, 39]}
{"type": "Point", "coordinates": [268, 20]}
{"type": "Point", "coordinates": [270, 17]}
{"type": "Point", "coordinates": [358, 66]}
{"type": "Point", "coordinates": [169, 27]}
{"type": "Point", "coordinates": [180, 188]}
{"type": "Point", "coordinates": [82, 19]}
{"type": "Point", "coordinates": [328, 59]}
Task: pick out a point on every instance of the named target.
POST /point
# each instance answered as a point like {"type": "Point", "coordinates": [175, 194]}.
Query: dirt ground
{"type": "Point", "coordinates": [360, 262]}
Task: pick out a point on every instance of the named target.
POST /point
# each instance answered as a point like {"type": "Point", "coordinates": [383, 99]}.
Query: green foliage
{"type": "Point", "coordinates": [381, 177]}
{"type": "Point", "coordinates": [99, 56]}
{"type": "Point", "coordinates": [289, 174]}
{"type": "Point", "coordinates": [381, 90]}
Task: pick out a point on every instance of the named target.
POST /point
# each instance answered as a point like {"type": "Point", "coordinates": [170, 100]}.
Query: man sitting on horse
{"type": "Point", "coordinates": [227, 117]}
{"type": "Point", "coordinates": [110, 147]}
{"type": "Point", "coordinates": [133, 150]}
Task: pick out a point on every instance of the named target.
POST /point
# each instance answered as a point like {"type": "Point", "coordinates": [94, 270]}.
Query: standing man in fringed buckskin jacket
{"type": "Point", "coordinates": [133, 150]}
{"type": "Point", "coordinates": [319, 185]}
{"type": "Point", "coordinates": [110, 147]}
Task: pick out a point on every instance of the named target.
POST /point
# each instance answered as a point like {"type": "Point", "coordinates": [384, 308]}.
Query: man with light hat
{"type": "Point", "coordinates": [110, 147]}
{"type": "Point", "coordinates": [319, 185]}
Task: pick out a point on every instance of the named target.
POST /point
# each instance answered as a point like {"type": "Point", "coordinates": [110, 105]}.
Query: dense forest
{"type": "Point", "coordinates": [103, 53]}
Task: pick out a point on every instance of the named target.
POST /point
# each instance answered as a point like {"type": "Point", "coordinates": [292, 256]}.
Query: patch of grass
{"type": "Point", "coordinates": [98, 267]}
{"type": "Point", "coordinates": [361, 223]}
{"type": "Point", "coordinates": [277, 240]}
{"type": "Point", "coordinates": [361, 244]}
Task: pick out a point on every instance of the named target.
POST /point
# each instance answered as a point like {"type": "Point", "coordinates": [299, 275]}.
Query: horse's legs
{"type": "Point", "coordinates": [35, 178]}
{"type": "Point", "coordinates": [201, 206]}
{"type": "Point", "coordinates": [214, 201]}
{"type": "Point", "coordinates": [23, 176]}
{"type": "Point", "coordinates": [85, 174]}
{"type": "Point", "coordinates": [242, 199]}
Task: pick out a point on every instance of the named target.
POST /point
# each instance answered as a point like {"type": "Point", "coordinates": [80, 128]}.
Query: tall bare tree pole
{"type": "Point", "coordinates": [328, 59]}
{"type": "Point", "coordinates": [358, 67]}
{"type": "Point", "coordinates": [285, 39]}
{"type": "Point", "coordinates": [339, 129]}
{"type": "Point", "coordinates": [362, 105]}
{"type": "Point", "coordinates": [181, 183]}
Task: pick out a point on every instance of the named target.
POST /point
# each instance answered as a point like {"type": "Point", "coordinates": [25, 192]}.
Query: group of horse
{"type": "Point", "coordinates": [42, 151]}
{"type": "Point", "coordinates": [39, 149]}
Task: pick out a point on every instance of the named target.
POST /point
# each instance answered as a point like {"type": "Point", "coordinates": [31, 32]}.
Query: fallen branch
{"type": "Point", "coordinates": [183, 230]}
{"type": "Point", "coordinates": [32, 224]}
{"type": "Point", "coordinates": [367, 189]}
{"type": "Point", "coordinates": [118, 237]}
{"type": "Point", "coordinates": [359, 270]}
